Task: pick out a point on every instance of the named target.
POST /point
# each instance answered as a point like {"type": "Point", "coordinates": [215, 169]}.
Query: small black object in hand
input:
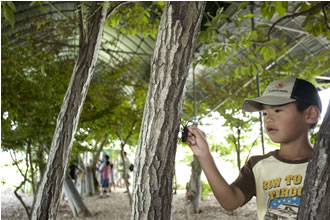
{"type": "Point", "coordinates": [184, 134]}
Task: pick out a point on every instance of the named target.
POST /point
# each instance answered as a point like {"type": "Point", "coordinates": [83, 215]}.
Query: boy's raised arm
{"type": "Point", "coordinates": [230, 197]}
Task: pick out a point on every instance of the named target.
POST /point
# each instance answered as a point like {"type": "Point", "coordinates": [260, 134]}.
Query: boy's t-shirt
{"type": "Point", "coordinates": [276, 183]}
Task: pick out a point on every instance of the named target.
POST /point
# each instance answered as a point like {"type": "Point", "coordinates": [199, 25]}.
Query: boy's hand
{"type": "Point", "coordinates": [197, 141]}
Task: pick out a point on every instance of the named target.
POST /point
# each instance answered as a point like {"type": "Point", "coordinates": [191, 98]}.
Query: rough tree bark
{"type": "Point", "coordinates": [194, 187]}
{"type": "Point", "coordinates": [315, 199]}
{"type": "Point", "coordinates": [155, 155]}
{"type": "Point", "coordinates": [49, 192]}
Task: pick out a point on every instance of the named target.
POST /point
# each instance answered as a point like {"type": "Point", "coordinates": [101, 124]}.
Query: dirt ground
{"type": "Point", "coordinates": [116, 207]}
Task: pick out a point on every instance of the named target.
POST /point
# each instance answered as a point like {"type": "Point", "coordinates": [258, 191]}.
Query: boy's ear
{"type": "Point", "coordinates": [312, 114]}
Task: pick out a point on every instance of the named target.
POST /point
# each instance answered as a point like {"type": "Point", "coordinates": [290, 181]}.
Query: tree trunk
{"type": "Point", "coordinates": [89, 181]}
{"type": "Point", "coordinates": [194, 186]}
{"type": "Point", "coordinates": [238, 150]}
{"type": "Point", "coordinates": [49, 193]}
{"type": "Point", "coordinates": [76, 204]}
{"type": "Point", "coordinates": [155, 154]}
{"type": "Point", "coordinates": [315, 199]}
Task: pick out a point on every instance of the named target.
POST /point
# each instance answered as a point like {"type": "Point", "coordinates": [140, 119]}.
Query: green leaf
{"type": "Point", "coordinates": [264, 9]}
{"type": "Point", "coordinates": [9, 13]}
{"type": "Point", "coordinates": [11, 5]}
{"type": "Point", "coordinates": [253, 69]}
{"type": "Point", "coordinates": [308, 25]}
{"type": "Point", "coordinates": [235, 59]}
{"type": "Point", "coordinates": [254, 35]}
{"type": "Point", "coordinates": [115, 20]}
{"type": "Point", "coordinates": [271, 12]}
{"type": "Point", "coordinates": [145, 19]}
{"type": "Point", "coordinates": [272, 53]}
{"type": "Point", "coordinates": [107, 23]}
{"type": "Point", "coordinates": [267, 10]}
{"type": "Point", "coordinates": [262, 50]}
{"type": "Point", "coordinates": [249, 15]}
{"type": "Point", "coordinates": [281, 8]}
{"type": "Point", "coordinates": [267, 54]}
{"type": "Point", "coordinates": [41, 23]}
{"type": "Point", "coordinates": [259, 66]}
{"type": "Point", "coordinates": [242, 5]}
{"type": "Point", "coordinates": [238, 70]}
{"type": "Point", "coordinates": [244, 70]}
{"type": "Point", "coordinates": [251, 57]}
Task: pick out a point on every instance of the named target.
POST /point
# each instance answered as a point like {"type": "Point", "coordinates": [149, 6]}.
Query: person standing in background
{"type": "Point", "coordinates": [105, 176]}
{"type": "Point", "coordinates": [112, 177]}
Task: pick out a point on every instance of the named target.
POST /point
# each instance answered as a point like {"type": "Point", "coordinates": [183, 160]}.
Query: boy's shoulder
{"type": "Point", "coordinates": [273, 157]}
{"type": "Point", "coordinates": [257, 158]}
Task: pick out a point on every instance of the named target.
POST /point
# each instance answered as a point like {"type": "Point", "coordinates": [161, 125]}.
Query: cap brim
{"type": "Point", "coordinates": [254, 105]}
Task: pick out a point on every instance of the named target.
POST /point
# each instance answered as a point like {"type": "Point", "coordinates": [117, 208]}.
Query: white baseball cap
{"type": "Point", "coordinates": [285, 91]}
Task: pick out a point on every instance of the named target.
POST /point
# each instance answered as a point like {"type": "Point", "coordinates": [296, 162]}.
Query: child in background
{"type": "Point", "coordinates": [105, 176]}
{"type": "Point", "coordinates": [112, 177]}
{"type": "Point", "coordinates": [291, 108]}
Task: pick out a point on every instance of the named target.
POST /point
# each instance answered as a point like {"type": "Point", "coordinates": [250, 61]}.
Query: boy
{"type": "Point", "coordinates": [291, 107]}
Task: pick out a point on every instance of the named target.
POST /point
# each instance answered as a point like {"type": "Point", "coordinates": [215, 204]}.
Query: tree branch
{"type": "Point", "coordinates": [22, 183]}
{"type": "Point", "coordinates": [116, 7]}
{"type": "Point", "coordinates": [81, 26]}
{"type": "Point", "coordinates": [29, 158]}
{"type": "Point", "coordinates": [325, 16]}
{"type": "Point", "coordinates": [319, 5]}
{"type": "Point", "coordinates": [57, 10]}
{"type": "Point", "coordinates": [99, 149]}
{"type": "Point", "coordinates": [16, 162]}
{"type": "Point", "coordinates": [21, 200]}
{"type": "Point", "coordinates": [131, 131]}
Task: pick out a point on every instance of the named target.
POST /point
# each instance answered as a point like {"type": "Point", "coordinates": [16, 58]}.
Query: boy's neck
{"type": "Point", "coordinates": [296, 151]}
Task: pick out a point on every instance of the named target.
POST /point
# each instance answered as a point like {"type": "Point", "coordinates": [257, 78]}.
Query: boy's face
{"type": "Point", "coordinates": [284, 124]}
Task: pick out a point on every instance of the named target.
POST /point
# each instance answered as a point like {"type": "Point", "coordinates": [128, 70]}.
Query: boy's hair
{"type": "Point", "coordinates": [107, 162]}
{"type": "Point", "coordinates": [285, 91]}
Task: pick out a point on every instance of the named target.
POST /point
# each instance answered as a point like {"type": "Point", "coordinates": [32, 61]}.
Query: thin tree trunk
{"type": "Point", "coordinates": [24, 174]}
{"type": "Point", "coordinates": [194, 188]}
{"type": "Point", "coordinates": [26, 208]}
{"type": "Point", "coordinates": [29, 154]}
{"type": "Point", "coordinates": [315, 199]}
{"type": "Point", "coordinates": [25, 179]}
{"type": "Point", "coordinates": [77, 206]}
{"type": "Point", "coordinates": [155, 155]}
{"type": "Point", "coordinates": [122, 147]}
{"type": "Point", "coordinates": [238, 148]}
{"type": "Point", "coordinates": [49, 193]}
{"type": "Point", "coordinates": [89, 181]}
{"type": "Point", "coordinates": [99, 149]}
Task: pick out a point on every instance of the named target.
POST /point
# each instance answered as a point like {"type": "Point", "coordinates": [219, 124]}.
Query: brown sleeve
{"type": "Point", "coordinates": [246, 180]}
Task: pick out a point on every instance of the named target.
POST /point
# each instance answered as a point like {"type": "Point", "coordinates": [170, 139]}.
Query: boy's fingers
{"type": "Point", "coordinates": [191, 142]}
{"type": "Point", "coordinates": [196, 132]}
{"type": "Point", "coordinates": [194, 148]}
